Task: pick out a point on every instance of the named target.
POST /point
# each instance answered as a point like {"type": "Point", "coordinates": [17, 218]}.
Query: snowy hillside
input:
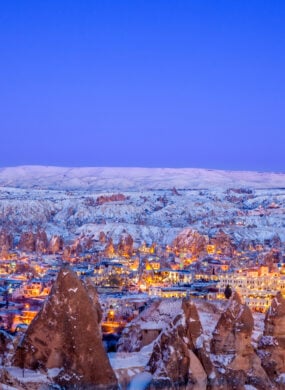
{"type": "Point", "coordinates": [47, 177]}
{"type": "Point", "coordinates": [76, 201]}
{"type": "Point", "coordinates": [150, 216]}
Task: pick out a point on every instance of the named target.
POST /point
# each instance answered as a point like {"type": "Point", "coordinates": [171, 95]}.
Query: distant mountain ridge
{"type": "Point", "coordinates": [106, 179]}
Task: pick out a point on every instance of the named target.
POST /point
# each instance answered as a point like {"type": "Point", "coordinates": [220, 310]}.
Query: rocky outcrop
{"type": "Point", "coordinates": [65, 335]}
{"type": "Point", "coordinates": [111, 198]}
{"type": "Point", "coordinates": [27, 242]}
{"type": "Point", "coordinates": [174, 362]}
{"type": "Point", "coordinates": [31, 242]}
{"type": "Point", "coordinates": [41, 241]}
{"type": "Point", "coordinates": [76, 247]}
{"type": "Point", "coordinates": [6, 341]}
{"type": "Point", "coordinates": [6, 243]}
{"type": "Point", "coordinates": [6, 240]}
{"type": "Point", "coordinates": [190, 240]}
{"type": "Point", "coordinates": [271, 346]}
{"type": "Point", "coordinates": [109, 250]}
{"type": "Point", "coordinates": [125, 245]}
{"type": "Point", "coordinates": [274, 256]}
{"type": "Point", "coordinates": [102, 237]}
{"type": "Point", "coordinates": [55, 244]}
{"type": "Point", "coordinates": [232, 354]}
{"type": "Point", "coordinates": [223, 244]}
{"type": "Point", "coordinates": [147, 326]}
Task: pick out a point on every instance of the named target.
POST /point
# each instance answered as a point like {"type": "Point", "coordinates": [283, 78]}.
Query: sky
{"type": "Point", "coordinates": [145, 83]}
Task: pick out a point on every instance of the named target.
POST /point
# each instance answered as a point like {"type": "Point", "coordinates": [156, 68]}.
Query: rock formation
{"type": "Point", "coordinates": [27, 242]}
{"type": "Point", "coordinates": [5, 340]}
{"type": "Point", "coordinates": [232, 354]}
{"type": "Point", "coordinates": [41, 241]}
{"type": "Point", "coordinates": [76, 248]}
{"type": "Point", "coordinates": [271, 346]}
{"type": "Point", "coordinates": [125, 245]}
{"type": "Point", "coordinates": [223, 243]}
{"type": "Point", "coordinates": [65, 335]}
{"type": "Point", "coordinates": [6, 240]}
{"type": "Point", "coordinates": [111, 198]}
{"type": "Point", "coordinates": [145, 328]}
{"type": "Point", "coordinates": [109, 250]}
{"type": "Point", "coordinates": [6, 243]}
{"type": "Point", "coordinates": [55, 244]}
{"type": "Point", "coordinates": [190, 240]}
{"type": "Point", "coordinates": [102, 237]}
{"type": "Point", "coordinates": [174, 362]}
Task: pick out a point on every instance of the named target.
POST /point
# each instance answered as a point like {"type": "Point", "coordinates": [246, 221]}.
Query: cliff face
{"type": "Point", "coordinates": [27, 242]}
{"type": "Point", "coordinates": [271, 347]}
{"type": "Point", "coordinates": [30, 242]}
{"type": "Point", "coordinates": [125, 245]}
{"type": "Point", "coordinates": [6, 240]}
{"type": "Point", "coordinates": [232, 354]}
{"type": "Point", "coordinates": [190, 240]}
{"type": "Point", "coordinates": [223, 243]}
{"type": "Point", "coordinates": [41, 241]}
{"type": "Point", "coordinates": [173, 361]}
{"type": "Point", "coordinates": [65, 335]}
{"type": "Point", "coordinates": [55, 244]}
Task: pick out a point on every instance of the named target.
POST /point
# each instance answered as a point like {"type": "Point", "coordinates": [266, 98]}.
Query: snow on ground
{"type": "Point", "coordinates": [129, 360]}
{"type": "Point", "coordinates": [140, 381]}
{"type": "Point", "coordinates": [134, 178]}
{"type": "Point", "coordinates": [27, 376]}
{"type": "Point", "coordinates": [148, 215]}
{"type": "Point", "coordinates": [258, 327]}
{"type": "Point", "coordinates": [209, 314]}
{"type": "Point", "coordinates": [159, 316]}
{"type": "Point", "coordinates": [6, 387]}
{"type": "Point", "coordinates": [129, 367]}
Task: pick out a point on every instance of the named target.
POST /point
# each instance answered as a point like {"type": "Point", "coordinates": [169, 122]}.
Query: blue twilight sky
{"type": "Point", "coordinates": [155, 83]}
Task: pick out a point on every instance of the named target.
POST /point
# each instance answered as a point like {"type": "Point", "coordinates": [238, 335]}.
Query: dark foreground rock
{"type": "Point", "coordinates": [65, 336]}
{"type": "Point", "coordinates": [271, 347]}
{"type": "Point", "coordinates": [174, 363]}
{"type": "Point", "coordinates": [235, 362]}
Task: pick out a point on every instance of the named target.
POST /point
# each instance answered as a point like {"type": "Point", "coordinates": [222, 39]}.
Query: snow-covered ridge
{"type": "Point", "coordinates": [49, 177]}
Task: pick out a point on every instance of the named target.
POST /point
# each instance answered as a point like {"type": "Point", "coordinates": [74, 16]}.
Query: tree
{"type": "Point", "coordinates": [228, 292]}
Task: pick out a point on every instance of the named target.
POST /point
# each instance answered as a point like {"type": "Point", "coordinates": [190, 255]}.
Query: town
{"type": "Point", "coordinates": [129, 275]}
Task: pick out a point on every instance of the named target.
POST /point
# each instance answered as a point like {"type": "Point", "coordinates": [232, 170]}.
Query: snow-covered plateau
{"type": "Point", "coordinates": [153, 205]}
{"type": "Point", "coordinates": [50, 177]}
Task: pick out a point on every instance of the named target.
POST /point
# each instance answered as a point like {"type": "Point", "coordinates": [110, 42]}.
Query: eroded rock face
{"type": "Point", "coordinates": [232, 354]}
{"type": "Point", "coordinates": [271, 347]}
{"type": "Point", "coordinates": [147, 326]}
{"type": "Point", "coordinates": [41, 241]}
{"type": "Point", "coordinates": [55, 244]}
{"type": "Point", "coordinates": [6, 240]}
{"type": "Point", "coordinates": [66, 335]}
{"type": "Point", "coordinates": [223, 243]}
{"type": "Point", "coordinates": [109, 250]}
{"type": "Point", "coordinates": [174, 362]}
{"type": "Point", "coordinates": [102, 237]}
{"type": "Point", "coordinates": [111, 198]}
{"type": "Point", "coordinates": [190, 240]}
{"type": "Point", "coordinates": [125, 245]}
{"type": "Point", "coordinates": [27, 242]}
{"type": "Point", "coordinates": [5, 340]}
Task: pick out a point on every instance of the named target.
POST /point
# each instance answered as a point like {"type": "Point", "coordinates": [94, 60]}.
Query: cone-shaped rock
{"type": "Point", "coordinates": [232, 354]}
{"type": "Point", "coordinates": [271, 346]}
{"type": "Point", "coordinates": [66, 335]}
{"type": "Point", "coordinates": [174, 363]}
